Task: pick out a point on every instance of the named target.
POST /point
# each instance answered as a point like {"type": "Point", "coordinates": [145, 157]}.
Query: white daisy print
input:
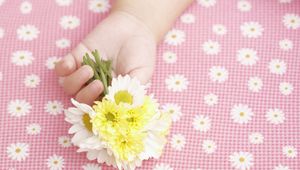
{"type": "Point", "coordinates": [99, 6]}
{"type": "Point", "coordinates": [18, 151]}
{"type": "Point", "coordinates": [162, 166]}
{"type": "Point", "coordinates": [286, 88]}
{"type": "Point", "coordinates": [218, 74]}
{"type": "Point", "coordinates": [55, 162]}
{"type": "Point", "coordinates": [54, 107]}
{"type": "Point", "coordinates": [18, 108]}
{"type": "Point", "coordinates": [251, 29]}
{"type": "Point", "coordinates": [32, 81]}
{"type": "Point", "coordinates": [255, 84]}
{"type": "Point", "coordinates": [291, 21]}
{"type": "Point", "coordinates": [244, 6]}
{"type": "Point", "coordinates": [207, 3]}
{"type": "Point", "coordinates": [281, 167]}
{"type": "Point", "coordinates": [211, 99]}
{"type": "Point", "coordinates": [91, 166]}
{"type": "Point", "coordinates": [241, 113]}
{"type": "Point", "coordinates": [211, 47]}
{"type": "Point", "coordinates": [176, 83]}
{"type": "Point", "coordinates": [27, 32]}
{"type": "Point", "coordinates": [33, 129]}
{"type": "Point", "coordinates": [63, 43]}
{"type": "Point", "coordinates": [178, 142]}
{"type": "Point", "coordinates": [275, 116]}
{"type": "Point", "coordinates": [187, 18]}
{"type": "Point", "coordinates": [247, 56]}
{"type": "Point", "coordinates": [64, 141]}
{"type": "Point", "coordinates": [64, 2]}
{"type": "Point", "coordinates": [277, 66]}
{"type": "Point", "coordinates": [289, 151]}
{"type": "Point", "coordinates": [174, 110]}
{"type": "Point", "coordinates": [175, 37]}
{"type": "Point", "coordinates": [51, 61]}
{"type": "Point", "coordinates": [69, 22]}
{"type": "Point", "coordinates": [169, 57]}
{"type": "Point", "coordinates": [256, 138]}
{"type": "Point", "coordinates": [209, 146]}
{"type": "Point", "coordinates": [25, 7]}
{"type": "Point", "coordinates": [1, 32]}
{"type": "Point", "coordinates": [22, 58]}
{"type": "Point", "coordinates": [201, 123]}
{"type": "Point", "coordinates": [241, 160]}
{"type": "Point", "coordinates": [219, 29]}
{"type": "Point", "coordinates": [286, 44]}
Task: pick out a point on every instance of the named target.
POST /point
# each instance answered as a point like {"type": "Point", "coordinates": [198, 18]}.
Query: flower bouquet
{"type": "Point", "coordinates": [124, 127]}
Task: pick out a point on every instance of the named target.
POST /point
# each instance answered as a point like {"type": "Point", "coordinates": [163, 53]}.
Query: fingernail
{"type": "Point", "coordinates": [88, 71]}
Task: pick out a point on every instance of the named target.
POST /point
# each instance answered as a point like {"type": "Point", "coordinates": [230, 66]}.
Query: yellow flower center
{"type": "Point", "coordinates": [110, 117]}
{"type": "Point", "coordinates": [242, 159]}
{"type": "Point", "coordinates": [18, 150]}
{"type": "Point", "coordinates": [242, 114]}
{"type": "Point", "coordinates": [86, 121]}
{"type": "Point", "coordinates": [123, 96]}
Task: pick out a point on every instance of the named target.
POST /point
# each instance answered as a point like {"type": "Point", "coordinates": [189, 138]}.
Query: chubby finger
{"type": "Point", "coordinates": [66, 66]}
{"type": "Point", "coordinates": [90, 93]}
{"type": "Point", "coordinates": [73, 83]}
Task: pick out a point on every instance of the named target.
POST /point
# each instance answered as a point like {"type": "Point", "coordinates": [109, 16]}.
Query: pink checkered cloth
{"type": "Point", "coordinates": [228, 71]}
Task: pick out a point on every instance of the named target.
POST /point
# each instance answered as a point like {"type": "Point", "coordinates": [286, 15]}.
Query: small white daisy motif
{"type": "Point", "coordinates": [64, 2]}
{"type": "Point", "coordinates": [91, 166]}
{"type": "Point", "coordinates": [178, 142]}
{"type": "Point", "coordinates": [18, 108]}
{"type": "Point", "coordinates": [162, 166]}
{"type": "Point", "coordinates": [25, 7]}
{"type": "Point", "coordinates": [18, 151]}
{"type": "Point", "coordinates": [176, 83]}
{"type": "Point", "coordinates": [55, 162]}
{"type": "Point", "coordinates": [32, 81]}
{"type": "Point", "coordinates": [175, 37]}
{"type": "Point", "coordinates": [211, 47]}
{"type": "Point", "coordinates": [63, 43]}
{"type": "Point", "coordinates": [255, 84]}
{"type": "Point", "coordinates": [174, 110]}
{"type": "Point", "coordinates": [99, 6]}
{"type": "Point", "coordinates": [33, 129]}
{"type": "Point", "coordinates": [187, 18]}
{"type": "Point", "coordinates": [277, 66]}
{"type": "Point", "coordinates": [247, 56]}
{"type": "Point", "coordinates": [64, 141]}
{"type": "Point", "coordinates": [218, 74]}
{"type": "Point", "coordinates": [169, 57]}
{"type": "Point", "coordinates": [289, 151]}
{"type": "Point", "coordinates": [69, 22]}
{"type": "Point", "coordinates": [241, 113]}
{"type": "Point", "coordinates": [251, 29]}
{"type": "Point", "coordinates": [22, 58]}
{"type": "Point", "coordinates": [241, 160]}
{"type": "Point", "coordinates": [281, 167]}
{"type": "Point", "coordinates": [201, 123]}
{"type": "Point", "coordinates": [286, 44]}
{"type": "Point", "coordinates": [219, 29]}
{"type": "Point", "coordinates": [244, 6]}
{"type": "Point", "coordinates": [207, 3]}
{"type": "Point", "coordinates": [54, 107]}
{"type": "Point", "coordinates": [51, 61]}
{"type": "Point", "coordinates": [286, 88]}
{"type": "Point", "coordinates": [209, 146]}
{"type": "Point", "coordinates": [27, 32]}
{"type": "Point", "coordinates": [1, 32]}
{"type": "Point", "coordinates": [291, 21]}
{"type": "Point", "coordinates": [211, 99]}
{"type": "Point", "coordinates": [256, 138]}
{"type": "Point", "coordinates": [275, 116]}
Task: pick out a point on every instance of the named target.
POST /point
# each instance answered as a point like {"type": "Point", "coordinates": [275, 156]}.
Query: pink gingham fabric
{"type": "Point", "coordinates": [236, 77]}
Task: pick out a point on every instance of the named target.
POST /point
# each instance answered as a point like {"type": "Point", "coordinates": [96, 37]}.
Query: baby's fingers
{"type": "Point", "coordinates": [90, 93]}
{"type": "Point", "coordinates": [66, 66]}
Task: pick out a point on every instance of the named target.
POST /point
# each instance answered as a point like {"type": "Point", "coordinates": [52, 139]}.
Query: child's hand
{"type": "Point", "coordinates": [121, 38]}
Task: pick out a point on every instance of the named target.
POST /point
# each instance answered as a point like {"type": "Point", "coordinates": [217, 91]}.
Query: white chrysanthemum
{"type": "Point", "coordinates": [175, 37]}
{"type": "Point", "coordinates": [275, 116]}
{"type": "Point", "coordinates": [91, 166]}
{"type": "Point", "coordinates": [64, 2]}
{"type": "Point", "coordinates": [50, 63]}
{"type": "Point", "coordinates": [286, 44]}
{"type": "Point", "coordinates": [174, 110]}
{"type": "Point", "coordinates": [218, 74]}
{"type": "Point", "coordinates": [244, 5]}
{"type": "Point", "coordinates": [251, 29]}
{"type": "Point", "coordinates": [64, 141]}
{"type": "Point", "coordinates": [22, 58]}
{"type": "Point", "coordinates": [162, 166]}
{"type": "Point", "coordinates": [281, 167]}
{"type": "Point", "coordinates": [207, 3]}
{"type": "Point", "coordinates": [255, 84]}
{"type": "Point", "coordinates": [241, 160]}
{"type": "Point", "coordinates": [219, 29]}
{"type": "Point", "coordinates": [33, 129]}
{"type": "Point", "coordinates": [289, 151]}
{"type": "Point", "coordinates": [178, 142]}
{"type": "Point", "coordinates": [55, 162]}
{"type": "Point", "coordinates": [18, 108]}
{"type": "Point", "coordinates": [285, 1]}
{"type": "Point", "coordinates": [27, 32]}
{"type": "Point", "coordinates": [241, 113]}
{"type": "Point", "coordinates": [99, 6]}
{"type": "Point", "coordinates": [256, 138]}
{"type": "Point", "coordinates": [277, 66]}
{"type": "Point", "coordinates": [176, 83]}
{"type": "Point", "coordinates": [1, 32]}
{"type": "Point", "coordinates": [69, 22]}
{"type": "Point", "coordinates": [209, 146]}
{"type": "Point", "coordinates": [63, 43]}
{"type": "Point", "coordinates": [125, 89]}
{"type": "Point", "coordinates": [32, 81]}
{"type": "Point", "coordinates": [211, 99]}
{"type": "Point", "coordinates": [201, 123]}
{"type": "Point", "coordinates": [18, 151]}
{"type": "Point", "coordinates": [169, 57]}
{"type": "Point", "coordinates": [211, 47]}
{"type": "Point", "coordinates": [247, 56]}
{"type": "Point", "coordinates": [286, 88]}
{"type": "Point", "coordinates": [54, 107]}
{"type": "Point", "coordinates": [291, 21]}
{"type": "Point", "coordinates": [187, 18]}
